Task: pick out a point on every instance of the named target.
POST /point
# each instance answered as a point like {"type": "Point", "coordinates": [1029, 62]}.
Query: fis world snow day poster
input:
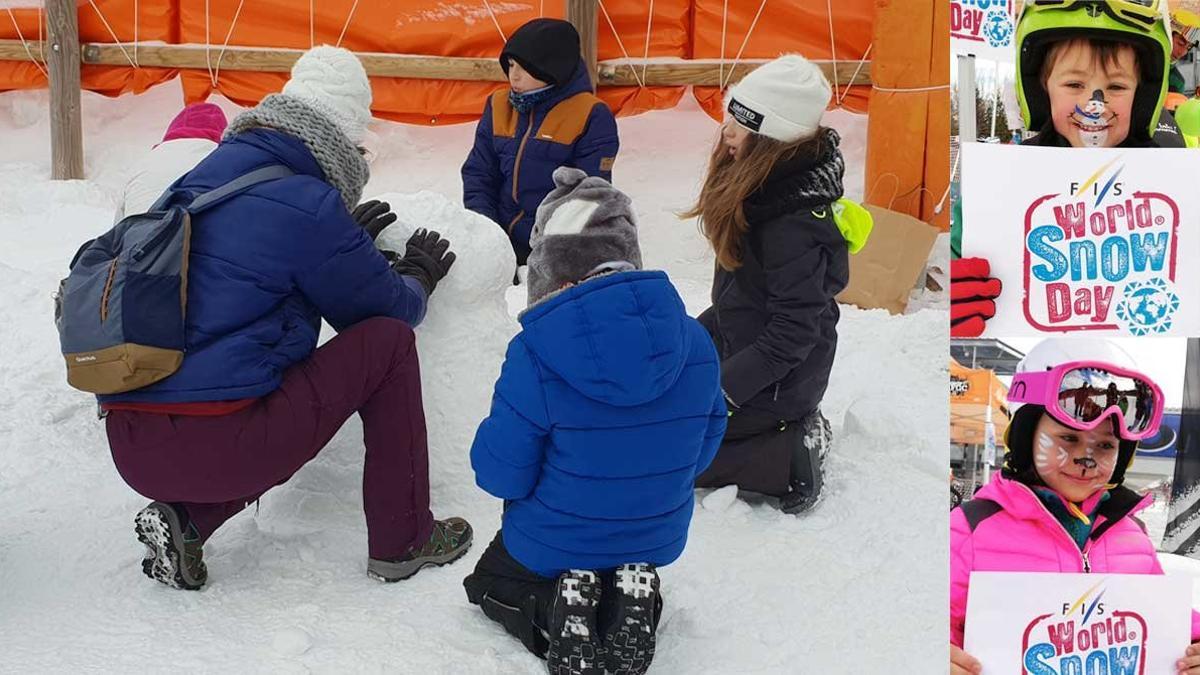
{"type": "Point", "coordinates": [1078, 624]}
{"type": "Point", "coordinates": [1104, 240]}
{"type": "Point", "coordinates": [983, 28]}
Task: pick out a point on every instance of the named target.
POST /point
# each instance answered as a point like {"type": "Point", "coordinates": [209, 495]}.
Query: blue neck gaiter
{"type": "Point", "coordinates": [529, 100]}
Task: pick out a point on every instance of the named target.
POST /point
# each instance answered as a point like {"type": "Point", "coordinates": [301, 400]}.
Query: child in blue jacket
{"type": "Point", "coordinates": [607, 408]}
{"type": "Point", "coordinates": [547, 118]}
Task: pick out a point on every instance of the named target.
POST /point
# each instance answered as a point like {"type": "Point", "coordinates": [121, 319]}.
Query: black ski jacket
{"type": "Point", "coordinates": [774, 319]}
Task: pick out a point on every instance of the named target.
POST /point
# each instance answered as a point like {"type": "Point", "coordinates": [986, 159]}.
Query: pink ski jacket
{"type": "Point", "coordinates": [1006, 528]}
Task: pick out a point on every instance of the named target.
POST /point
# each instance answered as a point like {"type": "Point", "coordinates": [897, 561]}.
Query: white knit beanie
{"type": "Point", "coordinates": [782, 99]}
{"type": "Point", "coordinates": [333, 82]}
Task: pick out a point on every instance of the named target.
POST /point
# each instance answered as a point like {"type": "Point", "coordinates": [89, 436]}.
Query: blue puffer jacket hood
{"type": "Point", "coordinates": [611, 351]}
{"type": "Point", "coordinates": [607, 408]}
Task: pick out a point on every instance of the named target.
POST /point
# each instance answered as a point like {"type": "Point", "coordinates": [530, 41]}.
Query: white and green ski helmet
{"type": "Point", "coordinates": [1040, 26]}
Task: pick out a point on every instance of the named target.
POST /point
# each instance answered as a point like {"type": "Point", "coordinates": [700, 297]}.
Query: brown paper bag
{"type": "Point", "coordinates": [884, 272]}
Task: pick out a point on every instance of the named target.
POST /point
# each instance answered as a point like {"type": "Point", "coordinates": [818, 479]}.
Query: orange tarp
{"type": "Point", "coordinates": [429, 27]}
{"type": "Point", "coordinates": [783, 27]}
{"type": "Point", "coordinates": [907, 154]}
{"type": "Point", "coordinates": [156, 21]}
{"type": "Point", "coordinates": [911, 54]}
{"type": "Point", "coordinates": [972, 391]}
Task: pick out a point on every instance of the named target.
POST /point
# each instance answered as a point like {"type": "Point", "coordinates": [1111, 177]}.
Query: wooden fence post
{"type": "Point", "coordinates": [66, 126]}
{"type": "Point", "coordinates": [582, 14]}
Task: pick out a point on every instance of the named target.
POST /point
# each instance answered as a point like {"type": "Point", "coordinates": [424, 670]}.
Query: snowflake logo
{"type": "Point", "coordinates": [1148, 306]}
{"type": "Point", "coordinates": [998, 27]}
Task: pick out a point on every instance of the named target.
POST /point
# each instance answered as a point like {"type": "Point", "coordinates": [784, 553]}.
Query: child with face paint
{"type": "Point", "coordinates": [1089, 74]}
{"type": "Point", "coordinates": [1059, 504]}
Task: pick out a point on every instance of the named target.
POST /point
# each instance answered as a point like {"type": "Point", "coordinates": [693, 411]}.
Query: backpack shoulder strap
{"type": "Point", "coordinates": [240, 184]}
{"type": "Point", "coordinates": [978, 510]}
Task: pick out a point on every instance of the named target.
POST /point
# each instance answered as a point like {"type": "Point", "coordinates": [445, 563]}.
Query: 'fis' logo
{"type": "Point", "coordinates": [1101, 254]}
{"type": "Point", "coordinates": [1085, 636]}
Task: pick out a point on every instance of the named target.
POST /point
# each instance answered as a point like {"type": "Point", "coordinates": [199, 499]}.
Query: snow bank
{"type": "Point", "coordinates": [861, 580]}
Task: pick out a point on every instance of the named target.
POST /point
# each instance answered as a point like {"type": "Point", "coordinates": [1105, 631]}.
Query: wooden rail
{"type": "Point", "coordinates": [659, 73]}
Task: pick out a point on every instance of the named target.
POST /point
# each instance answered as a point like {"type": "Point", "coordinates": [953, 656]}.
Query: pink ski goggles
{"type": "Point", "coordinates": [1082, 394]}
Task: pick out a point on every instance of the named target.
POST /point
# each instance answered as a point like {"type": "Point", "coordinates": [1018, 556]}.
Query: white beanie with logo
{"type": "Point", "coordinates": [782, 99]}
{"type": "Point", "coordinates": [332, 81]}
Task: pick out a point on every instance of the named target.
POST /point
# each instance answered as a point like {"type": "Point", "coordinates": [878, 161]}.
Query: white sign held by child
{"type": "Point", "coordinates": [1104, 240]}
{"type": "Point", "coordinates": [1100, 624]}
{"type": "Point", "coordinates": [983, 28]}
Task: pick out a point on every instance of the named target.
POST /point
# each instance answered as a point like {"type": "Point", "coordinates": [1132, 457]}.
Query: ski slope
{"type": "Point", "coordinates": [858, 584]}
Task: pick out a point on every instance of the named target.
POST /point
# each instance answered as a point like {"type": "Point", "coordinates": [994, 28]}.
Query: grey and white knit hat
{"type": "Point", "coordinates": [585, 226]}
{"type": "Point", "coordinates": [332, 81]}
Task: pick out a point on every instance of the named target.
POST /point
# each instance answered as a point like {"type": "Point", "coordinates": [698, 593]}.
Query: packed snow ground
{"type": "Point", "coordinates": [857, 585]}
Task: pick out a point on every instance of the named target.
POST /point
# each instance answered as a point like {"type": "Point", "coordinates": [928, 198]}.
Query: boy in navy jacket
{"type": "Point", "coordinates": [607, 408]}
{"type": "Point", "coordinates": [547, 118]}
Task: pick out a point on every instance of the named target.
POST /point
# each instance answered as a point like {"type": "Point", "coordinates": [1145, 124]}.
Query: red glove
{"type": "Point", "coordinates": [973, 292]}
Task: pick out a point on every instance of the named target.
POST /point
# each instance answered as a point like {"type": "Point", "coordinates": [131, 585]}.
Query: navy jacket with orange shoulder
{"type": "Point", "coordinates": [509, 171]}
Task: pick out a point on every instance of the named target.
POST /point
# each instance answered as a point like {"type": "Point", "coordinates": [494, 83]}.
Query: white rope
{"type": "Point", "coordinates": [724, 27]}
{"type": "Point", "coordinates": [832, 44]}
{"type": "Point", "coordinates": [503, 37]}
{"type": "Point", "coordinates": [621, 44]}
{"type": "Point", "coordinates": [41, 40]}
{"type": "Point", "coordinates": [895, 194]}
{"type": "Point", "coordinates": [937, 210]}
{"type": "Point", "coordinates": [745, 40]}
{"type": "Point", "coordinates": [214, 74]}
{"type": "Point", "coordinates": [136, 15]}
{"type": "Point", "coordinates": [25, 44]}
{"type": "Point", "coordinates": [853, 77]}
{"type": "Point", "coordinates": [646, 53]}
{"type": "Point", "coordinates": [903, 90]}
{"type": "Point", "coordinates": [349, 18]}
{"type": "Point", "coordinates": [112, 33]}
{"type": "Point", "coordinates": [312, 23]}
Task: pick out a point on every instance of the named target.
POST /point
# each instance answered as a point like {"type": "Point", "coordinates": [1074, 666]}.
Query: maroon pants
{"type": "Point", "coordinates": [215, 466]}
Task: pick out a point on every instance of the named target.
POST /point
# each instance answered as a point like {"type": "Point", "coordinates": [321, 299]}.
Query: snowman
{"type": "Point", "coordinates": [1092, 122]}
{"type": "Point", "coordinates": [467, 327]}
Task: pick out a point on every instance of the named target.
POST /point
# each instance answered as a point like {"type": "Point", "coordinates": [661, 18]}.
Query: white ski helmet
{"type": "Point", "coordinates": [1051, 352]}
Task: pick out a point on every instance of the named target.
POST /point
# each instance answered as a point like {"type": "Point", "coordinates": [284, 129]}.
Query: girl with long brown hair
{"type": "Point", "coordinates": [772, 208]}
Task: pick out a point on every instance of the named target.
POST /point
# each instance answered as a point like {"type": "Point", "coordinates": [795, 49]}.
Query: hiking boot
{"type": "Point", "coordinates": [630, 637]}
{"type": "Point", "coordinates": [808, 464]}
{"type": "Point", "coordinates": [574, 643]}
{"type": "Point", "coordinates": [174, 554]}
{"type": "Point", "coordinates": [450, 539]}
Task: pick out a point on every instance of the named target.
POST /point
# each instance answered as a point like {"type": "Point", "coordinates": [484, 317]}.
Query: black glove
{"type": "Point", "coordinates": [427, 258]}
{"type": "Point", "coordinates": [373, 216]}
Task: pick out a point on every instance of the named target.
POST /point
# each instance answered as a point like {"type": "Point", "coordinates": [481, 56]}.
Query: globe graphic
{"type": "Point", "coordinates": [1149, 306]}
{"type": "Point", "coordinates": [998, 28]}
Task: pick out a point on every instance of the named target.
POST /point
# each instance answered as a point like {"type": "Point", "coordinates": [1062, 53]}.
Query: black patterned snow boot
{"type": "Point", "coordinates": [574, 642]}
{"type": "Point", "coordinates": [630, 637]}
{"type": "Point", "coordinates": [808, 464]}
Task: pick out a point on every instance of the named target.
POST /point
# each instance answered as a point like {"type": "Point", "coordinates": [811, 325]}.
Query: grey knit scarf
{"type": "Point", "coordinates": [344, 167]}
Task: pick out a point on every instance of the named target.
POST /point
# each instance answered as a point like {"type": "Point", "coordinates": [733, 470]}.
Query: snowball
{"type": "Point", "coordinates": [467, 327]}
{"type": "Point", "coordinates": [720, 500]}
{"type": "Point", "coordinates": [291, 641]}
